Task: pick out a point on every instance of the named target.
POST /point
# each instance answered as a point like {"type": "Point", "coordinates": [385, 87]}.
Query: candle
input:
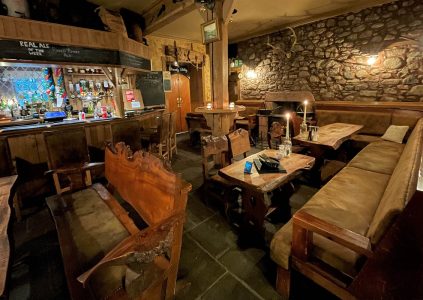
{"type": "Point", "coordinates": [209, 105]}
{"type": "Point", "coordinates": [287, 125]}
{"type": "Point", "coordinates": [305, 110]}
{"type": "Point", "coordinates": [232, 105]}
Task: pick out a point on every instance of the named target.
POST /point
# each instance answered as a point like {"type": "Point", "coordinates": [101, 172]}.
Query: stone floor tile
{"type": "Point", "coordinates": [197, 269]}
{"type": "Point", "coordinates": [255, 268]}
{"type": "Point", "coordinates": [228, 287]}
{"type": "Point", "coordinates": [215, 235]}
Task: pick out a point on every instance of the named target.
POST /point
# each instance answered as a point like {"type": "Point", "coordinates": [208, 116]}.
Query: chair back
{"type": "Point", "coordinates": [6, 165]}
{"type": "Point", "coordinates": [66, 147]}
{"type": "Point", "coordinates": [296, 121]}
{"type": "Point", "coordinates": [214, 148]}
{"type": "Point", "coordinates": [127, 131]}
{"type": "Point", "coordinates": [164, 128]}
{"type": "Point", "coordinates": [239, 142]}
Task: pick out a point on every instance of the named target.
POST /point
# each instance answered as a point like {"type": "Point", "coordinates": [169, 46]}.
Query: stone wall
{"type": "Point", "coordinates": [330, 57]}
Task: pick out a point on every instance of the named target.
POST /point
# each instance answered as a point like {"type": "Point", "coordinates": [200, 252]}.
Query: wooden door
{"type": "Point", "coordinates": [180, 100]}
{"type": "Point", "coordinates": [184, 100]}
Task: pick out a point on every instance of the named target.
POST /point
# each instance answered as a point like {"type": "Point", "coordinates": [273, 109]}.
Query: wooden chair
{"type": "Point", "coordinates": [197, 124]}
{"type": "Point", "coordinates": [159, 142]}
{"type": "Point", "coordinates": [106, 253]}
{"type": "Point", "coordinates": [7, 169]}
{"type": "Point", "coordinates": [214, 152]}
{"type": "Point", "coordinates": [172, 134]}
{"type": "Point", "coordinates": [127, 131]}
{"type": "Point", "coordinates": [68, 159]}
{"type": "Point", "coordinates": [247, 120]}
{"type": "Point", "coordinates": [239, 143]}
{"type": "Point", "coordinates": [277, 132]}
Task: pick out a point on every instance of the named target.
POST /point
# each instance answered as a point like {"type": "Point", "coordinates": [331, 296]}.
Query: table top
{"type": "Point", "coordinates": [293, 164]}
{"type": "Point", "coordinates": [332, 135]}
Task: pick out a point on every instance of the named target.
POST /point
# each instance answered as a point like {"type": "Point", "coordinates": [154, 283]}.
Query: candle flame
{"type": "Point", "coordinates": [305, 102]}
{"type": "Point", "coordinates": [287, 115]}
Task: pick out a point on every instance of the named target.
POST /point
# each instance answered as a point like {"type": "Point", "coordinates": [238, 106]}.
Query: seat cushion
{"type": "Point", "coordinates": [380, 157]}
{"type": "Point", "coordinates": [93, 226]}
{"type": "Point", "coordinates": [362, 140]}
{"type": "Point", "coordinates": [349, 200]}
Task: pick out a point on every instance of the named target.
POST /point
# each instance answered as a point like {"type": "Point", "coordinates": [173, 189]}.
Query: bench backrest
{"type": "Point", "coordinates": [375, 123]}
{"type": "Point", "coordinates": [401, 186]}
{"type": "Point", "coordinates": [142, 180]}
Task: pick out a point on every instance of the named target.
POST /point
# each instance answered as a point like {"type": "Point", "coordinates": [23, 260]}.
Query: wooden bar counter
{"type": "Point", "coordinates": [28, 150]}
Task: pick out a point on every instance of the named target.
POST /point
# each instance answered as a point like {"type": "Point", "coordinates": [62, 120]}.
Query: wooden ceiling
{"type": "Point", "coordinates": [254, 17]}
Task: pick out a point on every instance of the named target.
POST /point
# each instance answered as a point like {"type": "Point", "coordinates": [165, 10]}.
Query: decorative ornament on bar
{"type": "Point", "coordinates": [303, 126]}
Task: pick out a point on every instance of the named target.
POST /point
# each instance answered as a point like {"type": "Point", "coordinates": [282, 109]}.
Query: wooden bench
{"type": "Point", "coordinates": [6, 188]}
{"type": "Point", "coordinates": [106, 253]}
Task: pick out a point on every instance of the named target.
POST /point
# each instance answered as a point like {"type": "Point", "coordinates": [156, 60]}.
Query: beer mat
{"type": "Point", "coordinates": [263, 170]}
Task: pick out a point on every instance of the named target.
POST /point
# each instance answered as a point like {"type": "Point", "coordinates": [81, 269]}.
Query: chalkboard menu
{"type": "Point", "coordinates": [151, 86]}
{"type": "Point", "coordinates": [30, 50]}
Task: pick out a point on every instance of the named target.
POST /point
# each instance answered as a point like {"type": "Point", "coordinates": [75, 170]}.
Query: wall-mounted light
{"type": "Point", "coordinates": [251, 74]}
{"type": "Point", "coordinates": [372, 60]}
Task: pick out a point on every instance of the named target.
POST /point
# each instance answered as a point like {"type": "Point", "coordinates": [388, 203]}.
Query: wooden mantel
{"type": "Point", "coordinates": [12, 28]}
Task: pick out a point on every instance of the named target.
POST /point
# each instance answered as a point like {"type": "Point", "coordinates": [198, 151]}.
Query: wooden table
{"type": "Point", "coordinates": [257, 188]}
{"type": "Point", "coordinates": [330, 138]}
{"type": "Point", "coordinates": [332, 135]}
{"type": "Point", "coordinates": [6, 185]}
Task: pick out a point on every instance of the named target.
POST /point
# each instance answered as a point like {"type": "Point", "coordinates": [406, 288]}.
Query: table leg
{"type": "Point", "coordinates": [255, 205]}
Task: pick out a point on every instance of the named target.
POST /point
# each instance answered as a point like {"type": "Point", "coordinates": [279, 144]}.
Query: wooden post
{"type": "Point", "coordinates": [118, 93]}
{"type": "Point", "coordinates": [220, 61]}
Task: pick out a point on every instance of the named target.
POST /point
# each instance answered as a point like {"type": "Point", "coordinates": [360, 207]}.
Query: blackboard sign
{"type": "Point", "coordinates": [151, 86]}
{"type": "Point", "coordinates": [30, 50]}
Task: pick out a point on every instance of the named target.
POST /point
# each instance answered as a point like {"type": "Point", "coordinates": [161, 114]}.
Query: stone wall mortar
{"type": "Point", "coordinates": [330, 57]}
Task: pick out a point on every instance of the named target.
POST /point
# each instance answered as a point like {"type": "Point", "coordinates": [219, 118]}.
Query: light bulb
{"type": "Point", "coordinates": [371, 60]}
{"type": "Point", "coordinates": [251, 74]}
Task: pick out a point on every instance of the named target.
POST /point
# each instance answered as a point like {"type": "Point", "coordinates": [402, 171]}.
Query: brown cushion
{"type": "Point", "coordinates": [381, 157]}
{"type": "Point", "coordinates": [401, 186]}
{"type": "Point", "coordinates": [349, 200]}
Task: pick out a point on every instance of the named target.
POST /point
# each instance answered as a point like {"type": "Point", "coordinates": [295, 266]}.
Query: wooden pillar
{"type": "Point", "coordinates": [219, 54]}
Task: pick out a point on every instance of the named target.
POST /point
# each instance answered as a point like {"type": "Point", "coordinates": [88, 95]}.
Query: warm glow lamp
{"type": "Point", "coordinates": [251, 74]}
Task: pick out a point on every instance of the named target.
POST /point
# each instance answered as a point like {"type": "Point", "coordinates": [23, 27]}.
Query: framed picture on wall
{"type": "Point", "coordinates": [210, 31]}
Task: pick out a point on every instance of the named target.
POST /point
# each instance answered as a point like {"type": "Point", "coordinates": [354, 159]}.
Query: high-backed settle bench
{"type": "Point", "coordinates": [329, 238]}
{"type": "Point", "coordinates": [106, 255]}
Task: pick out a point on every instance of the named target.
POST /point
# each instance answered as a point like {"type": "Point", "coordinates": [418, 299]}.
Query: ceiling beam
{"type": "Point", "coordinates": [228, 7]}
{"type": "Point", "coordinates": [165, 12]}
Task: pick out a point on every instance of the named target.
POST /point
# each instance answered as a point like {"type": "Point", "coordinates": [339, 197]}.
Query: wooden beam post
{"type": "Point", "coordinates": [219, 56]}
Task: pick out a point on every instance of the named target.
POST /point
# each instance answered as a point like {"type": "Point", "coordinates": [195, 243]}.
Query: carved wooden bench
{"type": "Point", "coordinates": [105, 253]}
{"type": "Point", "coordinates": [6, 193]}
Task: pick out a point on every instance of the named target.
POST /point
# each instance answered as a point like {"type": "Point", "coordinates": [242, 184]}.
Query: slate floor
{"type": "Point", "coordinates": [212, 265]}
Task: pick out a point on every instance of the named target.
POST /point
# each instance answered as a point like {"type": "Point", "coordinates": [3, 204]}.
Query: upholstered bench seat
{"type": "Point", "coordinates": [381, 157]}
{"type": "Point", "coordinates": [362, 200]}
{"type": "Point", "coordinates": [344, 211]}
{"type": "Point", "coordinates": [360, 141]}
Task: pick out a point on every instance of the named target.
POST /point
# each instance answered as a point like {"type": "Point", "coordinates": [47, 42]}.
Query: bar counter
{"type": "Point", "coordinates": [29, 153]}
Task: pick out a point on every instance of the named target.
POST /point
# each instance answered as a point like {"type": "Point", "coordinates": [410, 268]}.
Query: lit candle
{"type": "Point", "coordinates": [232, 105]}
{"type": "Point", "coordinates": [305, 110]}
{"type": "Point", "coordinates": [287, 125]}
{"type": "Point", "coordinates": [209, 105]}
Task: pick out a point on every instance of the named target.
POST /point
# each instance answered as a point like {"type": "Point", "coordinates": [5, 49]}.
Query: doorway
{"type": "Point", "coordinates": [180, 100]}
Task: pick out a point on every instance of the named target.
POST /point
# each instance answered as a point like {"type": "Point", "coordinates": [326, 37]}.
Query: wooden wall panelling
{"type": "Point", "coordinates": [41, 147]}
{"type": "Point", "coordinates": [24, 147]}
{"type": "Point", "coordinates": [18, 28]}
